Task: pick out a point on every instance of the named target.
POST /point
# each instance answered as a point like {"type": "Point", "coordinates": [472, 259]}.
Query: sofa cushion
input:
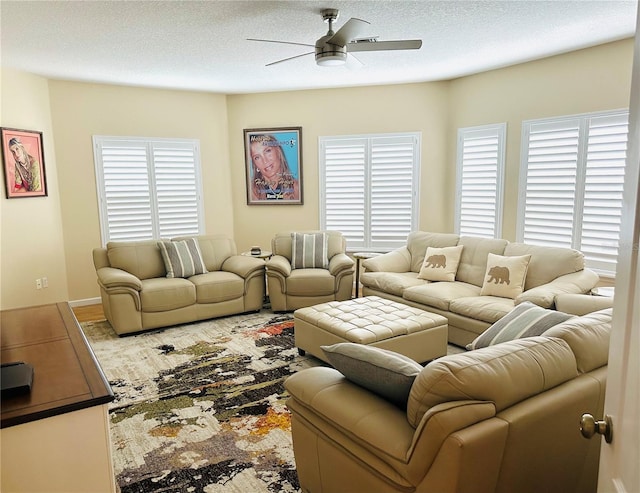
{"type": "Point", "coordinates": [473, 261]}
{"type": "Point", "coordinates": [504, 374]}
{"type": "Point", "coordinates": [309, 251]}
{"type": "Point", "coordinates": [384, 372]}
{"type": "Point", "coordinates": [547, 263]}
{"type": "Point", "coordinates": [161, 294]}
{"type": "Point", "coordinates": [391, 282]}
{"type": "Point", "coordinates": [505, 275]}
{"type": "Point", "coordinates": [182, 258]}
{"type": "Point", "coordinates": [139, 258]}
{"type": "Point", "coordinates": [419, 241]}
{"type": "Point", "coordinates": [441, 264]}
{"type": "Point", "coordinates": [525, 320]}
{"type": "Point", "coordinates": [311, 282]}
{"type": "Point", "coordinates": [488, 309]}
{"type": "Point", "coordinates": [440, 294]}
{"type": "Point", "coordinates": [588, 337]}
{"type": "Point", "coordinates": [218, 286]}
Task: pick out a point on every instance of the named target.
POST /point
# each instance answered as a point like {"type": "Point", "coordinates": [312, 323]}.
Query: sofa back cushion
{"type": "Point", "coordinates": [473, 261]}
{"type": "Point", "coordinates": [588, 337]}
{"type": "Point", "coordinates": [546, 263]}
{"type": "Point", "coordinates": [504, 374]}
{"type": "Point", "coordinates": [418, 241]}
{"type": "Point", "coordinates": [281, 244]}
{"type": "Point", "coordinates": [140, 258]}
{"type": "Point", "coordinates": [215, 249]}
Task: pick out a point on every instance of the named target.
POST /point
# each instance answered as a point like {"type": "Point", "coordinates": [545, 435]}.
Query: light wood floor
{"type": "Point", "coordinates": [89, 313]}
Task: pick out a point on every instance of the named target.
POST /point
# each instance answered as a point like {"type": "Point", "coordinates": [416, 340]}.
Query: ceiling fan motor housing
{"type": "Point", "coordinates": [328, 54]}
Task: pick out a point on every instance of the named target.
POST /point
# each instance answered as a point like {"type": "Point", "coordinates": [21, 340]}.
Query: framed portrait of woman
{"type": "Point", "coordinates": [23, 163]}
{"type": "Point", "coordinates": [273, 165]}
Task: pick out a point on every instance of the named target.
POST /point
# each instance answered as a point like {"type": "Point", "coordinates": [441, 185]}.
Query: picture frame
{"type": "Point", "coordinates": [273, 165]}
{"type": "Point", "coordinates": [23, 163]}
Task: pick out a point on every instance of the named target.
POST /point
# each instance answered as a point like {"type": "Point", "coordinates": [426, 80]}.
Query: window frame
{"type": "Point", "coordinates": [499, 132]}
{"type": "Point", "coordinates": [151, 146]}
{"type": "Point", "coordinates": [369, 142]}
{"type": "Point", "coordinates": [582, 127]}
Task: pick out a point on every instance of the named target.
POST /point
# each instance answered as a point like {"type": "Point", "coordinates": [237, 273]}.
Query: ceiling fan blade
{"type": "Point", "coordinates": [407, 44]}
{"type": "Point", "coordinates": [290, 58]}
{"type": "Point", "coordinates": [280, 42]}
{"type": "Point", "coordinates": [351, 29]}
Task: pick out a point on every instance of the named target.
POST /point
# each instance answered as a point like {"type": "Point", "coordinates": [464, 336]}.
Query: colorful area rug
{"type": "Point", "coordinates": [201, 407]}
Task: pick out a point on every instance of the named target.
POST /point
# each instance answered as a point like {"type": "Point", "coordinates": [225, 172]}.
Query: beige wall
{"type": "Point", "coordinates": [594, 79]}
{"type": "Point", "coordinates": [63, 228]}
{"type": "Point", "coordinates": [405, 108]}
{"type": "Point", "coordinates": [31, 233]}
{"type": "Point", "coordinates": [81, 111]}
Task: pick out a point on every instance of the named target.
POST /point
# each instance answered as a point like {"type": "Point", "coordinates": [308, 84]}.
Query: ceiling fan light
{"type": "Point", "coordinates": [331, 59]}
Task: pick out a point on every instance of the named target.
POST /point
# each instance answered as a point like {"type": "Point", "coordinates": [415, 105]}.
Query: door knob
{"type": "Point", "coordinates": [589, 427]}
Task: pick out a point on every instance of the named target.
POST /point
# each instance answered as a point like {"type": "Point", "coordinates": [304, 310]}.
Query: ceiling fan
{"type": "Point", "coordinates": [332, 48]}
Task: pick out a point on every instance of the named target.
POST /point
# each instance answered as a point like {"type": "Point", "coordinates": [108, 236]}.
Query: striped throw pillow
{"type": "Point", "coordinates": [182, 258]}
{"type": "Point", "coordinates": [525, 320]}
{"type": "Point", "coordinates": [309, 251]}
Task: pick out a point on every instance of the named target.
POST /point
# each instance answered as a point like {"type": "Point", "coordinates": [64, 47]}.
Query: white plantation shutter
{"type": "Point", "coordinates": [369, 188]}
{"type": "Point", "coordinates": [572, 175]}
{"type": "Point", "coordinates": [480, 177]}
{"type": "Point", "coordinates": [148, 188]}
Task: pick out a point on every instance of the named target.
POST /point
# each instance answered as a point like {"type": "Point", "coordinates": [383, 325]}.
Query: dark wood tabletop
{"type": "Point", "coordinates": [66, 374]}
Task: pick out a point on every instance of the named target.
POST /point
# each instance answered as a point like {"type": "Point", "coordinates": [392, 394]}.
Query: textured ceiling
{"type": "Point", "coordinates": [202, 45]}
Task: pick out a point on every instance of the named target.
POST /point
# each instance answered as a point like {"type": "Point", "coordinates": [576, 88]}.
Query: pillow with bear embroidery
{"type": "Point", "coordinates": [505, 276]}
{"type": "Point", "coordinates": [441, 264]}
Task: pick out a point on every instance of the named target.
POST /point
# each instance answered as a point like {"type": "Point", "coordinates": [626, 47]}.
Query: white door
{"type": "Point", "coordinates": [620, 459]}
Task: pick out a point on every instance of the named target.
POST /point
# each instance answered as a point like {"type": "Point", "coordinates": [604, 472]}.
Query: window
{"type": "Point", "coordinates": [572, 178]}
{"type": "Point", "coordinates": [148, 188]}
{"type": "Point", "coordinates": [479, 183]}
{"type": "Point", "coordinates": [369, 188]}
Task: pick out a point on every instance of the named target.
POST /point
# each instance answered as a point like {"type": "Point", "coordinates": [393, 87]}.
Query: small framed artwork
{"type": "Point", "coordinates": [23, 163]}
{"type": "Point", "coordinates": [273, 165]}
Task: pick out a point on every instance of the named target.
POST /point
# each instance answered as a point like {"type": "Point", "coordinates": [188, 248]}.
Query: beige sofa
{"type": "Point", "coordinates": [137, 294]}
{"type": "Point", "coordinates": [551, 271]}
{"type": "Point", "coordinates": [500, 419]}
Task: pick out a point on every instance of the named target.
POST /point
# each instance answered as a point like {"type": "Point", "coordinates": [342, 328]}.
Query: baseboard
{"type": "Point", "coordinates": [85, 302]}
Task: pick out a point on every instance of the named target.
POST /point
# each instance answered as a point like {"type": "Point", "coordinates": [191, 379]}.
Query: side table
{"type": "Point", "coordinates": [361, 256]}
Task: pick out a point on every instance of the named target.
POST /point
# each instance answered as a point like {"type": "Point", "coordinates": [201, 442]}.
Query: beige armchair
{"type": "Point", "coordinates": [310, 270]}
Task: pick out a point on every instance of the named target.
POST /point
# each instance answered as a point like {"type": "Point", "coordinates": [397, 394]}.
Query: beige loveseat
{"type": "Point", "coordinates": [137, 294]}
{"type": "Point", "coordinates": [502, 419]}
{"type": "Point", "coordinates": [551, 271]}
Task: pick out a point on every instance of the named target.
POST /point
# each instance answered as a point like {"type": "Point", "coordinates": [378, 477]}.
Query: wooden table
{"type": "Point", "coordinates": [55, 438]}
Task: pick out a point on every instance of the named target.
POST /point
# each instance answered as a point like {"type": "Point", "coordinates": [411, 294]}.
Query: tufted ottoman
{"type": "Point", "coordinates": [416, 333]}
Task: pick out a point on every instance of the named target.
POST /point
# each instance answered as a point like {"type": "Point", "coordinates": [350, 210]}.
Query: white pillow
{"type": "Point", "coordinates": [505, 276]}
{"type": "Point", "coordinates": [441, 264]}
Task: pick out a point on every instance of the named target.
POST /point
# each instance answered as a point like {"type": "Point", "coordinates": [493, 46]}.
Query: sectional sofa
{"type": "Point", "coordinates": [489, 277]}
{"type": "Point", "coordinates": [150, 284]}
{"type": "Point", "coordinates": [502, 419]}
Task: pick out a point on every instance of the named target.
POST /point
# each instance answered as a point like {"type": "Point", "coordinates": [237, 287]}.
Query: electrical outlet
{"type": "Point", "coordinates": [38, 283]}
{"type": "Point", "coordinates": [45, 282]}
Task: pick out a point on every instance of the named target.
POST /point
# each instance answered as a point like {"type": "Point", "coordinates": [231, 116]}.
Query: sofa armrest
{"type": "Point", "coordinates": [242, 265]}
{"type": "Point", "coordinates": [279, 264]}
{"type": "Point", "coordinates": [544, 295]}
{"type": "Point", "coordinates": [339, 263]}
{"type": "Point", "coordinates": [112, 278]}
{"type": "Point", "coordinates": [581, 304]}
{"type": "Point", "coordinates": [395, 261]}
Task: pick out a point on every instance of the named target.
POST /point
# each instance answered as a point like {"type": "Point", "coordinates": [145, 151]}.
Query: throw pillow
{"type": "Point", "coordinates": [384, 372]}
{"type": "Point", "coordinates": [309, 251]}
{"type": "Point", "coordinates": [182, 258]}
{"type": "Point", "coordinates": [505, 276]}
{"type": "Point", "coordinates": [441, 264]}
{"type": "Point", "coordinates": [525, 320]}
